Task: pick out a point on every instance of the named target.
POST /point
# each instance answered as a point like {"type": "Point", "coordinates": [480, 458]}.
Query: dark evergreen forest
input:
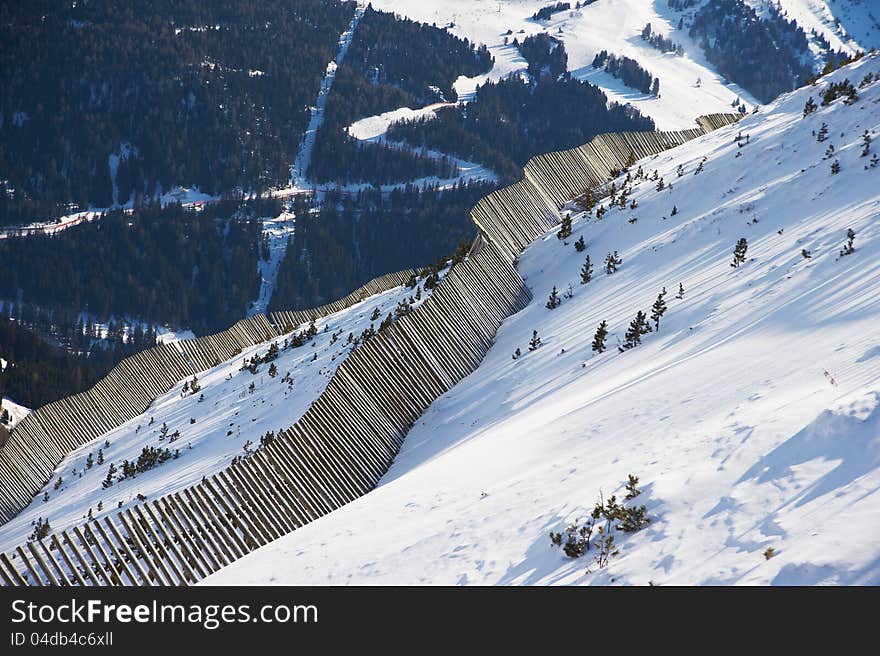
{"type": "Point", "coordinates": [213, 93]}
{"type": "Point", "coordinates": [766, 56]}
{"type": "Point", "coordinates": [513, 120]}
{"type": "Point", "coordinates": [355, 238]}
{"type": "Point", "coordinates": [189, 268]}
{"type": "Point", "coordinates": [392, 62]}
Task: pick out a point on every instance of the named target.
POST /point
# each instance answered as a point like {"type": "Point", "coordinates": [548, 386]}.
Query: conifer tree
{"type": "Point", "coordinates": [517, 354]}
{"type": "Point", "coordinates": [835, 167]}
{"type": "Point", "coordinates": [375, 316]}
{"type": "Point", "coordinates": [661, 185]}
{"type": "Point", "coordinates": [386, 323]}
{"type": "Point", "coordinates": [739, 252]}
{"type": "Point", "coordinates": [111, 472]}
{"type": "Point", "coordinates": [586, 271]}
{"type": "Point", "coordinates": [535, 341]}
{"type": "Point", "coordinates": [658, 309]}
{"type": "Point", "coordinates": [823, 133]}
{"type": "Point", "coordinates": [637, 327]}
{"type": "Point", "coordinates": [553, 302]}
{"type": "Point", "coordinates": [612, 261]}
{"type": "Point", "coordinates": [809, 107]}
{"type": "Point", "coordinates": [273, 370]}
{"type": "Point", "coordinates": [565, 228]}
{"type": "Point", "coordinates": [866, 144]}
{"type": "Point", "coordinates": [579, 245]}
{"type": "Point", "coordinates": [599, 337]}
{"type": "Point", "coordinates": [674, 211]}
{"type": "Point", "coordinates": [680, 294]}
{"type": "Point", "coordinates": [100, 460]}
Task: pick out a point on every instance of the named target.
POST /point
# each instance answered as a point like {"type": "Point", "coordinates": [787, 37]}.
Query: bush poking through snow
{"type": "Point", "coordinates": [606, 519]}
{"type": "Point", "coordinates": [769, 552]}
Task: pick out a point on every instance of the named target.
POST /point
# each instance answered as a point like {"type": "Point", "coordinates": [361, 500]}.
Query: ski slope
{"type": "Point", "coordinates": [751, 417]}
{"type": "Point", "coordinates": [233, 409]}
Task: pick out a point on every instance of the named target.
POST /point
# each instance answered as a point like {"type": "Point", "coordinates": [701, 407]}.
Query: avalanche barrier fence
{"type": "Point", "coordinates": [343, 443]}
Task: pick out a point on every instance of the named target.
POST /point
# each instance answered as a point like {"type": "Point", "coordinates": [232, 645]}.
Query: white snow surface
{"type": "Point", "coordinates": [17, 412]}
{"type": "Point", "coordinates": [228, 417]}
{"type": "Point", "coordinates": [752, 417]}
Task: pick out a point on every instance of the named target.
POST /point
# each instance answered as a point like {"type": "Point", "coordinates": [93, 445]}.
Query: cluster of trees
{"type": "Point", "coordinates": [547, 11]}
{"type": "Point", "coordinates": [40, 372]}
{"type": "Point", "coordinates": [513, 120]}
{"type": "Point", "coordinates": [767, 56]}
{"type": "Point", "coordinates": [354, 238]}
{"type": "Point", "coordinates": [546, 55]}
{"type": "Point", "coordinates": [173, 265]}
{"type": "Point", "coordinates": [392, 62]}
{"type": "Point", "coordinates": [423, 60]}
{"type": "Point", "coordinates": [196, 92]}
{"type": "Point", "coordinates": [662, 43]}
{"type": "Point", "coordinates": [628, 71]}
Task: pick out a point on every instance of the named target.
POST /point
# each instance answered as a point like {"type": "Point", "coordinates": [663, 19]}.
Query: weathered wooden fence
{"type": "Point", "coordinates": [342, 445]}
{"type": "Point", "coordinates": [39, 442]}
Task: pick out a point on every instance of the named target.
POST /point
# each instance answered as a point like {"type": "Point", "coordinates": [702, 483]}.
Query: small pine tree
{"type": "Point", "coordinates": [680, 294]}
{"type": "Point", "coordinates": [739, 252]}
{"type": "Point", "coordinates": [375, 316]}
{"type": "Point", "coordinates": [674, 211]}
{"type": "Point", "coordinates": [517, 354]}
{"type": "Point", "coordinates": [637, 327]}
{"type": "Point", "coordinates": [273, 370]}
{"type": "Point", "coordinates": [90, 461]}
{"type": "Point", "coordinates": [823, 133]}
{"type": "Point", "coordinates": [59, 483]}
{"type": "Point", "coordinates": [835, 167]}
{"type": "Point", "coordinates": [661, 185]}
{"type": "Point", "coordinates": [535, 341]}
{"type": "Point", "coordinates": [866, 144]}
{"type": "Point", "coordinates": [100, 460]}
{"type": "Point", "coordinates": [194, 386]}
{"type": "Point", "coordinates": [565, 228]}
{"type": "Point", "coordinates": [612, 261]}
{"type": "Point", "coordinates": [586, 271]}
{"type": "Point", "coordinates": [809, 107]}
{"type": "Point", "coordinates": [386, 323]}
{"type": "Point", "coordinates": [658, 309]}
{"type": "Point", "coordinates": [579, 245]}
{"type": "Point", "coordinates": [553, 302]}
{"type": "Point", "coordinates": [599, 338]}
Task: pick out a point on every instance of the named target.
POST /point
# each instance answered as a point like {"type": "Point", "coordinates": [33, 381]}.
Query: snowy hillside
{"type": "Point", "coordinates": [750, 417]}
{"type": "Point", "coordinates": [204, 430]}
{"type": "Point", "coordinates": [612, 25]}
{"type": "Point", "coordinates": [16, 412]}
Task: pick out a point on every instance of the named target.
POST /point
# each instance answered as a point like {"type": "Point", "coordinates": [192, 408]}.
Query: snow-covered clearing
{"type": "Point", "coordinates": [231, 417]}
{"type": "Point", "coordinates": [752, 417]}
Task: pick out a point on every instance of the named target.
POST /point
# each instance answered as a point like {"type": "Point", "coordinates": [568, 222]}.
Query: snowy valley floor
{"type": "Point", "coordinates": [752, 417]}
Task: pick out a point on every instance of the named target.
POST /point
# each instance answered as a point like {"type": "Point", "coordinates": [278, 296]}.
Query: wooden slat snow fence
{"type": "Point", "coordinates": [342, 445]}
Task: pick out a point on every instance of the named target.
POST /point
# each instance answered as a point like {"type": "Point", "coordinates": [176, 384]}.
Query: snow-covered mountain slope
{"type": "Point", "coordinates": [612, 25]}
{"type": "Point", "coordinates": [230, 413]}
{"type": "Point", "coordinates": [847, 24]}
{"type": "Point", "coordinates": [750, 417]}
